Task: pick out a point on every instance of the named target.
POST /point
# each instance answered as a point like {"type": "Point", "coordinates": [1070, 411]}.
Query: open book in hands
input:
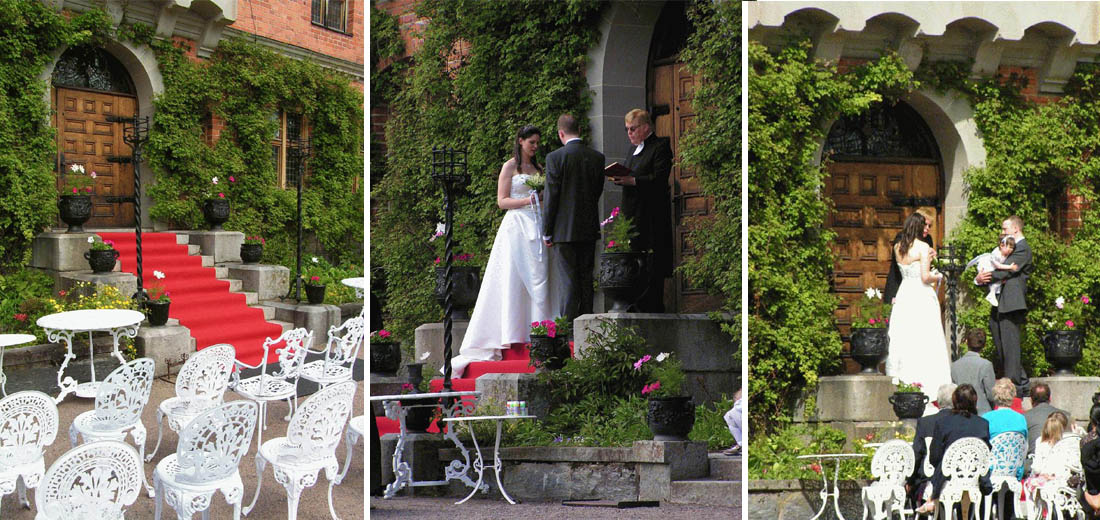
{"type": "Point", "coordinates": [615, 170]}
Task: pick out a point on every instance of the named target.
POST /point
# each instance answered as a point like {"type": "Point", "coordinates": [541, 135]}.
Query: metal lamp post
{"type": "Point", "coordinates": [952, 263]}
{"type": "Point", "coordinates": [449, 169]}
{"type": "Point", "coordinates": [135, 132]}
{"type": "Point", "coordinates": [299, 153]}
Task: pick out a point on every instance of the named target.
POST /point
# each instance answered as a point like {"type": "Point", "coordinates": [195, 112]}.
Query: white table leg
{"type": "Point", "coordinates": [68, 385]}
{"type": "Point", "coordinates": [401, 472]}
{"type": "Point", "coordinates": [479, 466]}
{"type": "Point", "coordinates": [3, 378]}
{"type": "Point", "coordinates": [836, 489]}
{"type": "Point", "coordinates": [824, 495]}
{"type": "Point", "coordinates": [498, 465]}
{"type": "Point", "coordinates": [91, 354]}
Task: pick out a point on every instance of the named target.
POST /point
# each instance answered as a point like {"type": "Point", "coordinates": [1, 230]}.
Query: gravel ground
{"type": "Point", "coordinates": [487, 509]}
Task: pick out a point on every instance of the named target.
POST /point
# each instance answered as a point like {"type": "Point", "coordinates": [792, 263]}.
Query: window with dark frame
{"type": "Point", "coordinates": [290, 127]}
{"type": "Point", "coordinates": [332, 14]}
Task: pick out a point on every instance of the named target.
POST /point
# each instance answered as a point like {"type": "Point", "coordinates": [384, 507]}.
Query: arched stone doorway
{"type": "Point", "coordinates": [883, 165]}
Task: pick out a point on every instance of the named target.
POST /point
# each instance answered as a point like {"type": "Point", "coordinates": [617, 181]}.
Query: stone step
{"type": "Point", "coordinates": [234, 285]}
{"type": "Point", "coordinates": [193, 249]}
{"type": "Point", "coordinates": [182, 238]}
{"type": "Point", "coordinates": [708, 492]}
{"type": "Point", "coordinates": [286, 325]}
{"type": "Point", "coordinates": [207, 261]}
{"type": "Point", "coordinates": [724, 467]}
{"type": "Point", "coordinates": [269, 312]}
{"type": "Point", "coordinates": [221, 272]}
{"type": "Point", "coordinates": [250, 298]}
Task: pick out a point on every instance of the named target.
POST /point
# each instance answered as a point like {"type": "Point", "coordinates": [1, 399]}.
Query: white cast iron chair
{"type": "Point", "coordinates": [1056, 495]}
{"type": "Point", "coordinates": [277, 386]}
{"type": "Point", "coordinates": [200, 386]}
{"type": "Point", "coordinates": [966, 461]}
{"type": "Point", "coordinates": [94, 481]}
{"type": "Point", "coordinates": [309, 446]}
{"type": "Point", "coordinates": [1008, 455]}
{"type": "Point", "coordinates": [119, 401]}
{"type": "Point", "coordinates": [28, 423]}
{"type": "Point", "coordinates": [206, 460]}
{"type": "Point", "coordinates": [355, 430]}
{"type": "Point", "coordinates": [891, 465]}
{"type": "Point", "coordinates": [340, 353]}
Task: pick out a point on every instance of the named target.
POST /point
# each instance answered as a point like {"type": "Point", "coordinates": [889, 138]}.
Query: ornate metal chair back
{"type": "Point", "coordinates": [94, 480]}
{"type": "Point", "coordinates": [120, 397]}
{"type": "Point", "coordinates": [1067, 455]}
{"type": "Point", "coordinates": [205, 375]}
{"type": "Point", "coordinates": [291, 355]}
{"type": "Point", "coordinates": [1009, 453]}
{"type": "Point", "coordinates": [212, 444]}
{"type": "Point", "coordinates": [966, 460]}
{"type": "Point", "coordinates": [344, 341]}
{"type": "Point", "coordinates": [893, 462]}
{"type": "Point", "coordinates": [317, 424]}
{"type": "Point", "coordinates": [28, 423]}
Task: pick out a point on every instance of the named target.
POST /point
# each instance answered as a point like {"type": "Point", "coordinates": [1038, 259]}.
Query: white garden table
{"type": "Point", "coordinates": [9, 340]}
{"type": "Point", "coordinates": [359, 284]}
{"type": "Point", "coordinates": [825, 494]}
{"type": "Point", "coordinates": [457, 469]}
{"type": "Point", "coordinates": [479, 462]}
{"type": "Point", "coordinates": [63, 326]}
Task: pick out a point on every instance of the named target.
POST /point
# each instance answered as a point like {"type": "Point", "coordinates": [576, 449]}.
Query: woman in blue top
{"type": "Point", "coordinates": [1003, 418]}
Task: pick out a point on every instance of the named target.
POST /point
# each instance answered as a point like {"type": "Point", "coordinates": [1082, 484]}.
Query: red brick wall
{"type": "Point", "coordinates": [288, 21]}
{"type": "Point", "coordinates": [411, 24]}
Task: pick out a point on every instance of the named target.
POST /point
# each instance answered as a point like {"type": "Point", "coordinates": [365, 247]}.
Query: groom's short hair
{"type": "Point", "coordinates": [568, 124]}
{"type": "Point", "coordinates": [1016, 221]}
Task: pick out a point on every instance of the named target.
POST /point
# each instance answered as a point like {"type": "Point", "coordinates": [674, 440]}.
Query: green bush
{"type": "Point", "coordinates": [775, 456]}
{"type": "Point", "coordinates": [710, 424]}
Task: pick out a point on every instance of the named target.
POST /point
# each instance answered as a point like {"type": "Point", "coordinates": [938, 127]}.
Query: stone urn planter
{"type": "Point", "coordinates": [622, 278]}
{"type": "Point", "coordinates": [467, 283]}
{"type": "Point", "coordinates": [315, 294]}
{"type": "Point", "coordinates": [101, 261]}
{"type": "Point", "coordinates": [869, 347]}
{"type": "Point", "coordinates": [251, 253]}
{"type": "Point", "coordinates": [216, 213]}
{"type": "Point", "coordinates": [1063, 349]}
{"type": "Point", "coordinates": [416, 373]}
{"type": "Point", "coordinates": [908, 405]}
{"type": "Point", "coordinates": [419, 418]}
{"type": "Point", "coordinates": [75, 211]}
{"type": "Point", "coordinates": [385, 357]}
{"type": "Point", "coordinates": [548, 353]}
{"type": "Point", "coordinates": [670, 418]}
{"type": "Point", "coordinates": [157, 312]}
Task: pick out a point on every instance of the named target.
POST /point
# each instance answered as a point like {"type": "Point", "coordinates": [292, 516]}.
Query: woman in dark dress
{"type": "Point", "coordinates": [962, 422]}
{"type": "Point", "coordinates": [1090, 461]}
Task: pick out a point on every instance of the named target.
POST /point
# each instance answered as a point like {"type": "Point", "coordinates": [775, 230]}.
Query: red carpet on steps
{"type": "Point", "coordinates": [200, 301]}
{"type": "Point", "coordinates": [513, 361]}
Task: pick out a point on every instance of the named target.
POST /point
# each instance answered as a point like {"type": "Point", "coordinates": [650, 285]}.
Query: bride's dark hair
{"type": "Point", "coordinates": [912, 229]}
{"type": "Point", "coordinates": [524, 132]}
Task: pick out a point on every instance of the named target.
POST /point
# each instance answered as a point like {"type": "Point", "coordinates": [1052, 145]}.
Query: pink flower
{"type": "Point", "coordinates": [383, 333]}
{"type": "Point", "coordinates": [638, 363]}
{"type": "Point", "coordinates": [404, 386]}
{"type": "Point", "coordinates": [816, 467]}
{"type": "Point", "coordinates": [1085, 299]}
{"type": "Point", "coordinates": [1069, 323]}
{"type": "Point", "coordinates": [88, 189]}
{"type": "Point", "coordinates": [74, 190]}
{"type": "Point", "coordinates": [534, 324]}
{"type": "Point", "coordinates": [20, 317]}
{"type": "Point", "coordinates": [315, 278]}
{"type": "Point", "coordinates": [231, 179]}
{"type": "Point", "coordinates": [646, 389]}
{"type": "Point", "coordinates": [221, 195]}
{"type": "Point", "coordinates": [61, 293]}
{"type": "Point", "coordinates": [437, 260]}
{"type": "Point", "coordinates": [611, 243]}
{"type": "Point", "coordinates": [93, 174]}
{"type": "Point", "coordinates": [615, 211]}
{"type": "Point", "coordinates": [871, 321]}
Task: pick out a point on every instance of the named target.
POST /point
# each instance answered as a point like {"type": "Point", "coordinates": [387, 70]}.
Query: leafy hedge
{"type": "Point", "coordinates": [792, 335]}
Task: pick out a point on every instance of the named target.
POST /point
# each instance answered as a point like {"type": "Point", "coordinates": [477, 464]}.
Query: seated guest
{"type": "Point", "coordinates": [1040, 410]}
{"type": "Point", "coordinates": [975, 370]}
{"type": "Point", "coordinates": [1090, 460]}
{"type": "Point", "coordinates": [918, 481]}
{"type": "Point", "coordinates": [963, 421]}
{"type": "Point", "coordinates": [1005, 419]}
{"type": "Point", "coordinates": [1043, 467]}
{"type": "Point", "coordinates": [733, 420]}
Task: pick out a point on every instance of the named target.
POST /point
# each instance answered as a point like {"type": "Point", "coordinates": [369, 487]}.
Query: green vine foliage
{"type": "Point", "coordinates": [29, 31]}
{"type": "Point", "coordinates": [792, 334]}
{"type": "Point", "coordinates": [712, 149]}
{"type": "Point", "coordinates": [523, 63]}
{"type": "Point", "coordinates": [244, 85]}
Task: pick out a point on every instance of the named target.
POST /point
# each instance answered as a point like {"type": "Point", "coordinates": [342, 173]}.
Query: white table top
{"type": "Point", "coordinates": [7, 340]}
{"type": "Point", "coordinates": [91, 319]}
{"type": "Point", "coordinates": [487, 417]}
{"type": "Point", "coordinates": [833, 456]}
{"type": "Point", "coordinates": [358, 283]}
{"type": "Point", "coordinates": [429, 395]}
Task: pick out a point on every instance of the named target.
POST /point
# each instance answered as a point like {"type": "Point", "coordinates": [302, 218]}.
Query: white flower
{"type": "Point", "coordinates": [92, 175]}
{"type": "Point", "coordinates": [662, 356]}
{"type": "Point", "coordinates": [91, 240]}
{"type": "Point", "coordinates": [870, 292]}
{"type": "Point", "coordinates": [214, 180]}
{"type": "Point", "coordinates": [315, 260]}
{"type": "Point", "coordinates": [426, 355]}
{"type": "Point", "coordinates": [1060, 302]}
{"type": "Point", "coordinates": [159, 275]}
{"type": "Point", "coordinates": [878, 294]}
{"type": "Point", "coordinates": [894, 381]}
{"type": "Point", "coordinates": [76, 168]}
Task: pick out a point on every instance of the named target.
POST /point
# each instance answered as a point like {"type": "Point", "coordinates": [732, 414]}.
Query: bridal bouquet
{"type": "Point", "coordinates": [536, 181]}
{"type": "Point", "coordinates": [870, 312]}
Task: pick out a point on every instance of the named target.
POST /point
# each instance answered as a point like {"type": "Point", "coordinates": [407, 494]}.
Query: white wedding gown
{"type": "Point", "coordinates": [515, 290]}
{"type": "Point", "coordinates": [918, 351]}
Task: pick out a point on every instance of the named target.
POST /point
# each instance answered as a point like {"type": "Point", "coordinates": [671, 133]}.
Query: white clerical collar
{"type": "Point", "coordinates": [641, 145]}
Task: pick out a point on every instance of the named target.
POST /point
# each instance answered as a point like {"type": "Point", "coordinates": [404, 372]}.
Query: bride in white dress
{"type": "Point", "coordinates": [515, 290]}
{"type": "Point", "coordinates": [918, 351]}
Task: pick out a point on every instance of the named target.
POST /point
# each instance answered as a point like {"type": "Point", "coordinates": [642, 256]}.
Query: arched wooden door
{"type": "Point", "coordinates": [883, 166]}
{"type": "Point", "coordinates": [91, 91]}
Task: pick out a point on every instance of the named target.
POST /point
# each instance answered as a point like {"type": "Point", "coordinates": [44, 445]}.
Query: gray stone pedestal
{"type": "Point", "coordinates": [317, 318]}
{"type": "Point", "coordinates": [267, 281]}
{"type": "Point", "coordinates": [58, 252]}
{"type": "Point", "coordinates": [429, 339]}
{"type": "Point", "coordinates": [497, 389]}
{"type": "Point", "coordinates": [224, 246]}
{"type": "Point", "coordinates": [661, 462]}
{"type": "Point", "coordinates": [385, 384]}
{"type": "Point", "coordinates": [854, 398]}
{"type": "Point", "coordinates": [126, 283]}
{"type": "Point", "coordinates": [1072, 394]}
{"type": "Point", "coordinates": [169, 344]}
{"type": "Point", "coordinates": [698, 342]}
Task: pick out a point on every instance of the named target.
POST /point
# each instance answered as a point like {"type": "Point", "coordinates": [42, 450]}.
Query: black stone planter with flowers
{"type": "Point", "coordinates": [385, 354]}
{"type": "Point", "coordinates": [869, 347]}
{"type": "Point", "coordinates": [670, 418]}
{"type": "Point", "coordinates": [252, 250]}
{"type": "Point", "coordinates": [467, 283]}
{"type": "Point", "coordinates": [315, 291]}
{"type": "Point", "coordinates": [75, 211]}
{"type": "Point", "coordinates": [908, 405]}
{"type": "Point", "coordinates": [1063, 349]}
{"type": "Point", "coordinates": [622, 278]}
{"type": "Point", "coordinates": [157, 312]}
{"type": "Point", "coordinates": [549, 347]}
{"type": "Point", "coordinates": [216, 213]}
{"type": "Point", "coordinates": [102, 255]}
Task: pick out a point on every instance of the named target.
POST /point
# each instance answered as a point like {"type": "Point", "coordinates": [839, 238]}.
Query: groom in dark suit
{"type": "Point", "coordinates": [646, 201]}
{"type": "Point", "coordinates": [571, 222]}
{"type": "Point", "coordinates": [1006, 320]}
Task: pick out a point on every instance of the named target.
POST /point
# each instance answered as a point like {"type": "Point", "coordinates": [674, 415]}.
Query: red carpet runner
{"type": "Point", "coordinates": [200, 301]}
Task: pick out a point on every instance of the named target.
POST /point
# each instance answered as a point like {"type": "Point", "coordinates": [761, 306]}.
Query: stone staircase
{"type": "Point", "coordinates": [721, 488]}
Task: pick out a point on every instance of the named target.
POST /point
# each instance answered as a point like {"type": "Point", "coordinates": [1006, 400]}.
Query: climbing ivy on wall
{"type": "Point", "coordinates": [713, 150]}
{"type": "Point", "coordinates": [484, 69]}
{"type": "Point", "coordinates": [29, 31]}
{"type": "Point", "coordinates": [244, 85]}
{"type": "Point", "coordinates": [792, 334]}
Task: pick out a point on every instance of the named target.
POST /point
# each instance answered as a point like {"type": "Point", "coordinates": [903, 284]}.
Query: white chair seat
{"type": "Point", "coordinates": [168, 469]}
{"type": "Point", "coordinates": [200, 386]}
{"type": "Point", "coordinates": [273, 451]}
{"type": "Point", "coordinates": [94, 429]}
{"type": "Point", "coordinates": [31, 472]}
{"type": "Point", "coordinates": [265, 387]}
{"type": "Point", "coordinates": [325, 373]}
{"type": "Point", "coordinates": [358, 424]}
{"type": "Point", "coordinates": [82, 509]}
{"type": "Point", "coordinates": [180, 412]}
